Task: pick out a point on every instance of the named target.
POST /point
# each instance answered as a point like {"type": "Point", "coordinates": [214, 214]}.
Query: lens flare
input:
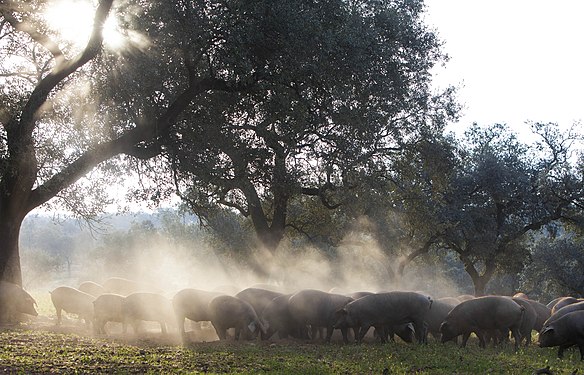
{"type": "Point", "coordinates": [72, 20]}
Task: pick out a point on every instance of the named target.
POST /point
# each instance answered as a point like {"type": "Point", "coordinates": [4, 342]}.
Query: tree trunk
{"type": "Point", "coordinates": [479, 280]}
{"type": "Point", "coordinates": [270, 239]}
{"type": "Point", "coordinates": [480, 285]}
{"type": "Point", "coordinates": [16, 183]}
{"type": "Point", "coordinates": [9, 252]}
{"type": "Point", "coordinates": [270, 232]}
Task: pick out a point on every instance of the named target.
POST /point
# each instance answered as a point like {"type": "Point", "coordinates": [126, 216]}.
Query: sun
{"type": "Point", "coordinates": [73, 21]}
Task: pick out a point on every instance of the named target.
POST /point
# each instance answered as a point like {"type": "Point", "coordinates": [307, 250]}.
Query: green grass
{"type": "Point", "coordinates": [47, 351]}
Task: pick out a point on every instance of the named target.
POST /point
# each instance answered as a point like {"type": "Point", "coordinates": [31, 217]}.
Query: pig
{"type": "Point", "coordinates": [192, 304]}
{"type": "Point", "coordinates": [317, 309]}
{"type": "Point", "coordinates": [276, 318]}
{"type": "Point", "coordinates": [564, 332]}
{"type": "Point", "coordinates": [564, 301]}
{"type": "Point", "coordinates": [482, 314]}
{"type": "Point", "coordinates": [437, 314]}
{"type": "Point", "coordinates": [149, 307]}
{"type": "Point", "coordinates": [449, 300]}
{"type": "Point", "coordinates": [73, 301]}
{"type": "Point", "coordinates": [272, 287]}
{"type": "Point", "coordinates": [232, 312]}
{"type": "Point", "coordinates": [543, 313]}
{"type": "Point", "coordinates": [258, 298]}
{"type": "Point", "coordinates": [337, 290]}
{"type": "Point", "coordinates": [92, 288]}
{"type": "Point", "coordinates": [520, 295]}
{"type": "Point", "coordinates": [551, 303]}
{"type": "Point", "coordinates": [124, 287]}
{"type": "Point", "coordinates": [357, 295]}
{"type": "Point", "coordinates": [564, 310]}
{"type": "Point", "coordinates": [528, 321]}
{"type": "Point", "coordinates": [527, 325]}
{"type": "Point", "coordinates": [404, 331]}
{"type": "Point", "coordinates": [13, 301]}
{"type": "Point", "coordinates": [385, 310]}
{"type": "Point", "coordinates": [465, 297]}
{"type": "Point", "coordinates": [118, 285]}
{"type": "Point", "coordinates": [108, 308]}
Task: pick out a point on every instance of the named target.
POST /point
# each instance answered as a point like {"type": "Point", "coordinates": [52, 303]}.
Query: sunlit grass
{"type": "Point", "coordinates": [48, 349]}
{"type": "Point", "coordinates": [26, 351]}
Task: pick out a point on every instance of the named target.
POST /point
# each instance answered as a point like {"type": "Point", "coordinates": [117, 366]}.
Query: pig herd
{"type": "Point", "coordinates": [310, 313]}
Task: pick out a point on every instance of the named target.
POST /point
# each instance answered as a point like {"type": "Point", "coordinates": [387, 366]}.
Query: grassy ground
{"type": "Point", "coordinates": [47, 349]}
{"type": "Point", "coordinates": [40, 347]}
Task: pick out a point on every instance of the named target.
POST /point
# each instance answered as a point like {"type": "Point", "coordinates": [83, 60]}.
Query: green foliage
{"type": "Point", "coordinates": [43, 352]}
{"type": "Point", "coordinates": [336, 85]}
{"type": "Point", "coordinates": [63, 123]}
{"type": "Point", "coordinates": [229, 233]}
{"type": "Point", "coordinates": [481, 195]}
{"type": "Point", "coordinates": [555, 268]}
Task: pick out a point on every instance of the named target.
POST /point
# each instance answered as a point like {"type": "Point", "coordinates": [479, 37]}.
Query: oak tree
{"type": "Point", "coordinates": [345, 84]}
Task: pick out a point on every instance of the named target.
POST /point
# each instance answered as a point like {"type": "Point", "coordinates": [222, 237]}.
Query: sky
{"type": "Point", "coordinates": [513, 60]}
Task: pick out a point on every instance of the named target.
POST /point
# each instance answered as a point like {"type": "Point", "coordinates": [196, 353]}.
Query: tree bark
{"type": "Point", "coordinates": [269, 231]}
{"type": "Point", "coordinates": [9, 251]}
{"type": "Point", "coordinates": [479, 280]}
{"type": "Point", "coordinates": [269, 234]}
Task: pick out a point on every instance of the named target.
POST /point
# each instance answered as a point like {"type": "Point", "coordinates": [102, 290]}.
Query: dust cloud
{"type": "Point", "coordinates": [357, 264]}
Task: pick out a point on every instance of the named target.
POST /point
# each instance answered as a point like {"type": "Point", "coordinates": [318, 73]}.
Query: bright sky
{"type": "Point", "coordinates": [516, 60]}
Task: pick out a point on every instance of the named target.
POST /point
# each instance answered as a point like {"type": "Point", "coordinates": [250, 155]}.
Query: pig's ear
{"type": "Point", "coordinates": [546, 329]}
{"type": "Point", "coordinates": [264, 327]}
{"type": "Point", "coordinates": [265, 324]}
{"type": "Point", "coordinates": [341, 312]}
{"type": "Point", "coordinates": [252, 327]}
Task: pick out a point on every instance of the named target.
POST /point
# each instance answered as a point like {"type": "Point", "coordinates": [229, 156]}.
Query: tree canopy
{"type": "Point", "coordinates": [497, 191]}
{"type": "Point", "coordinates": [266, 108]}
{"type": "Point", "coordinates": [345, 84]}
{"type": "Point", "coordinates": [316, 81]}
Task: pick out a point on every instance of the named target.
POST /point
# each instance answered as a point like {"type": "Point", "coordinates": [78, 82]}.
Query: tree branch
{"type": "Point", "coordinates": [238, 207]}
{"type": "Point", "coordinates": [320, 192]}
{"type": "Point", "coordinates": [125, 144]}
{"type": "Point", "coordinates": [422, 250]}
{"type": "Point", "coordinates": [61, 71]}
{"type": "Point", "coordinates": [145, 152]}
{"type": "Point", "coordinates": [34, 34]}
